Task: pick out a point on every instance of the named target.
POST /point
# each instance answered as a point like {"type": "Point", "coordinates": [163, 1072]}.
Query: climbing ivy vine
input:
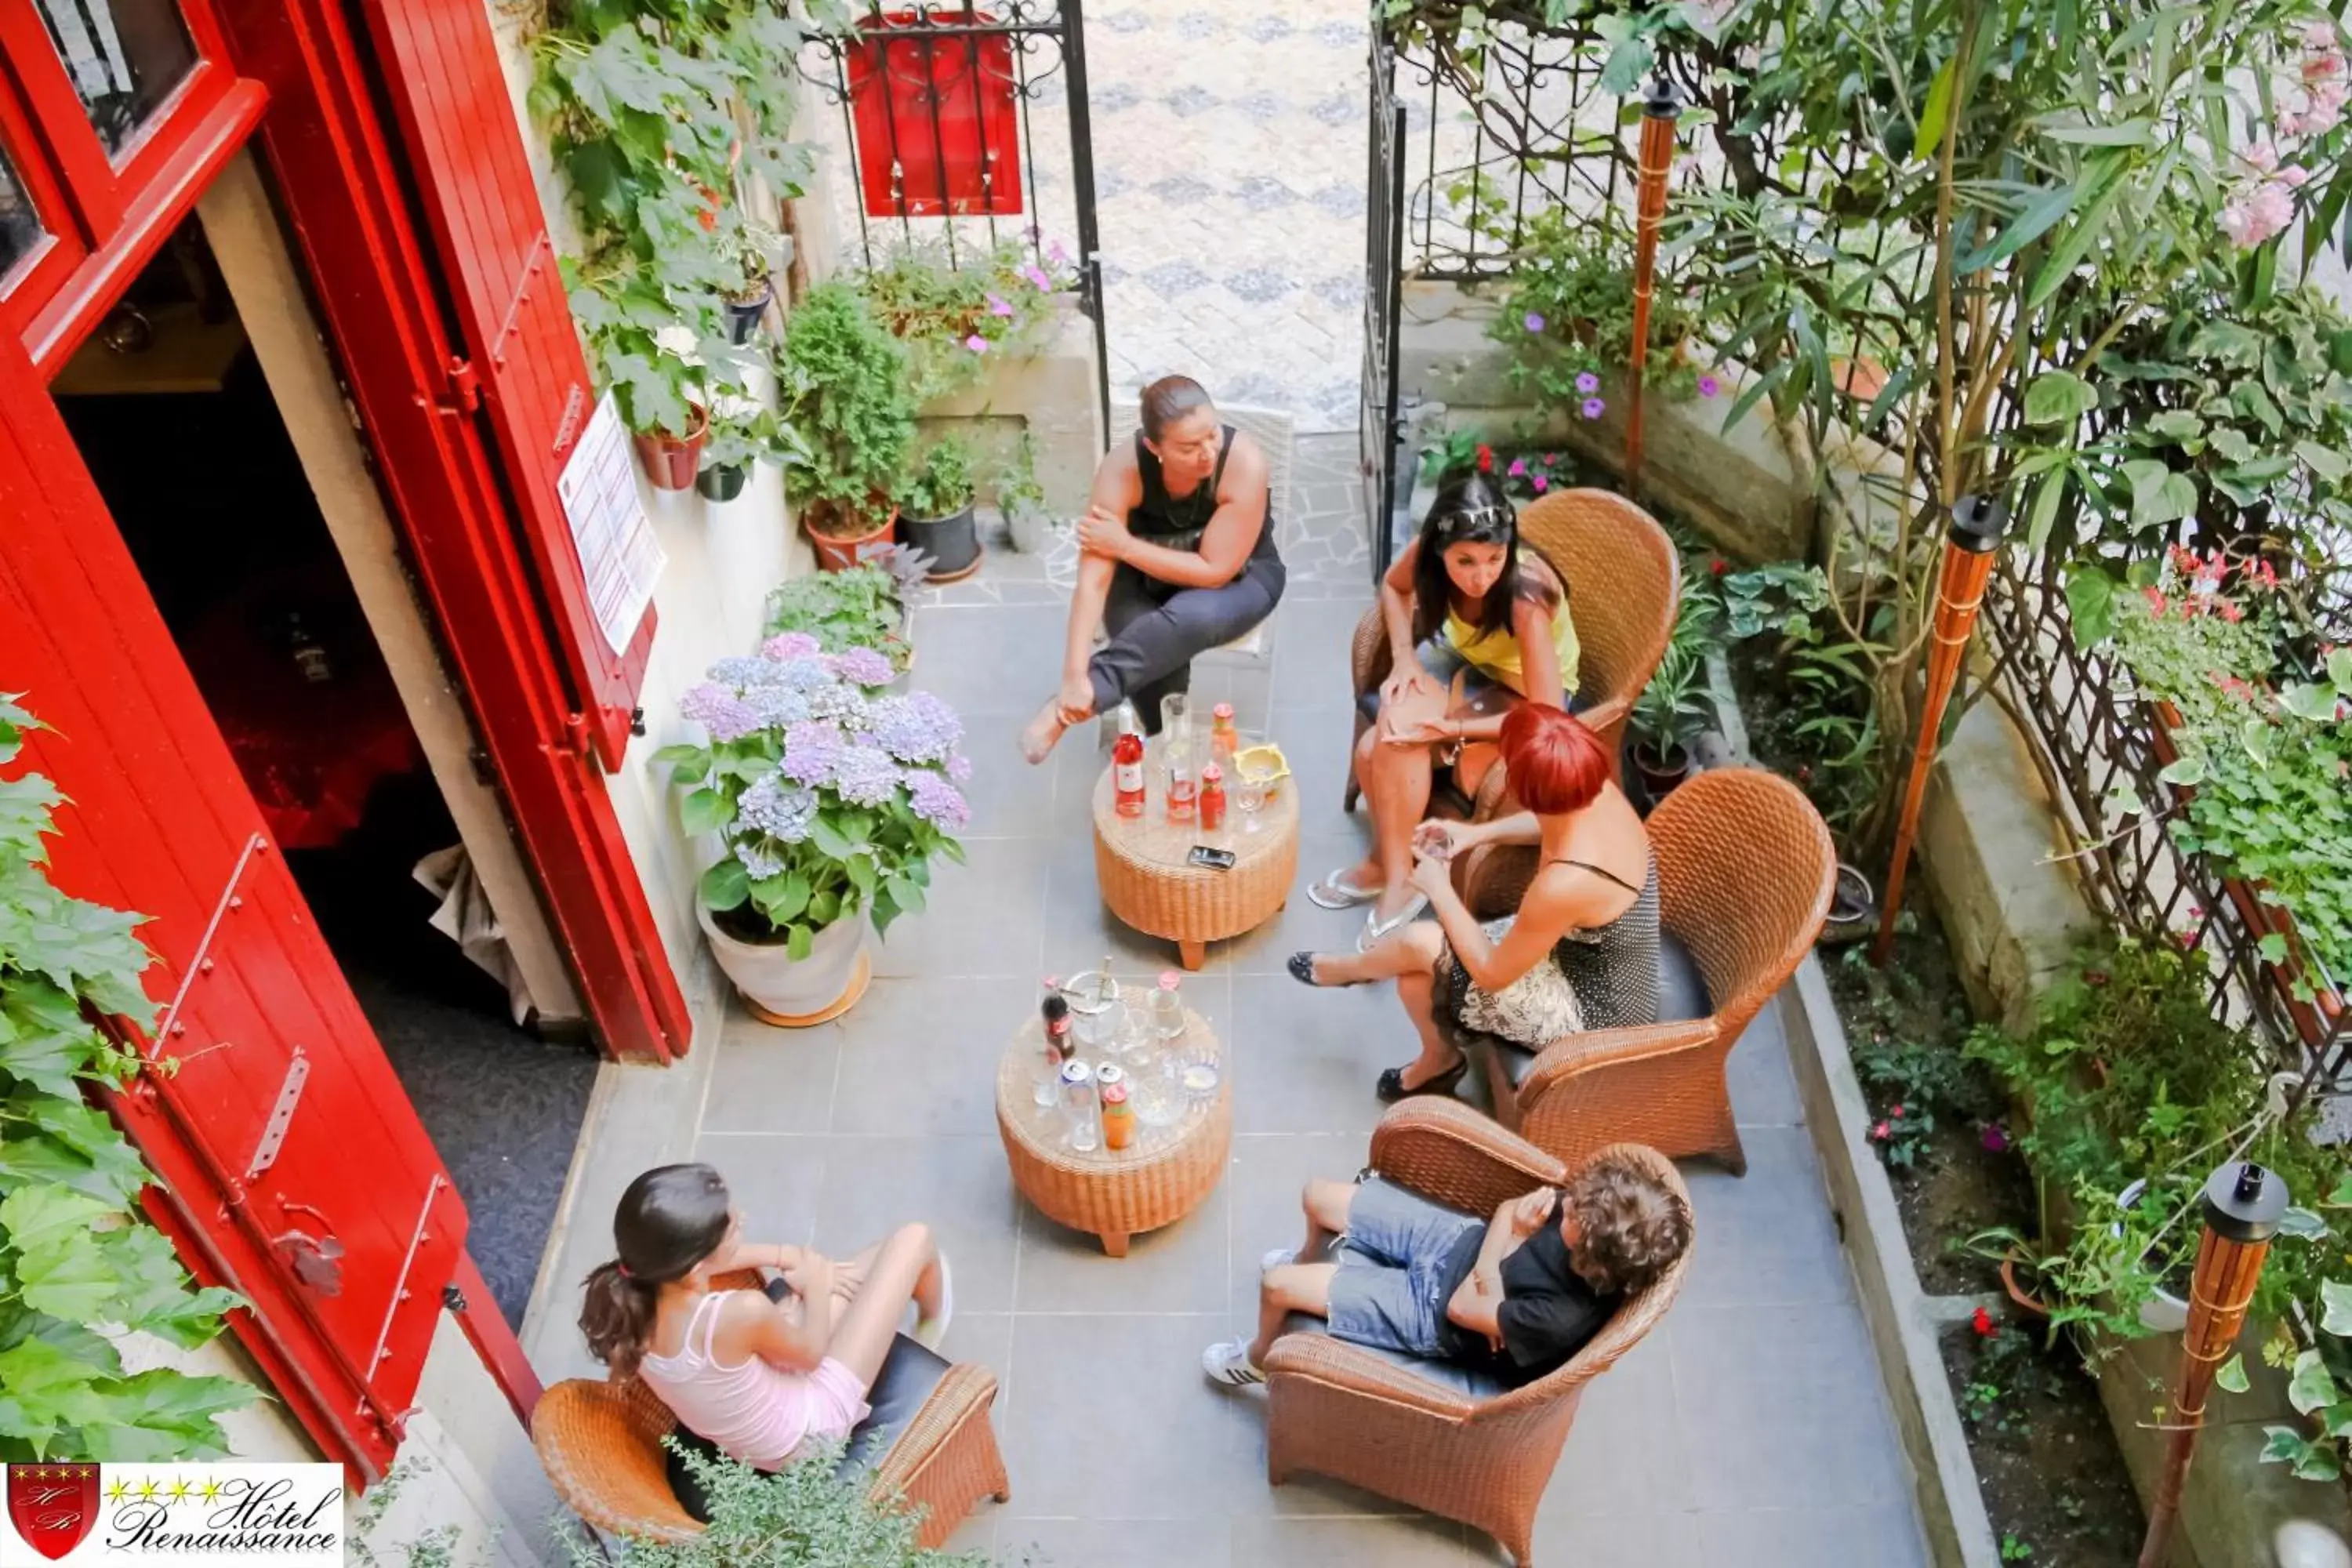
{"type": "Point", "coordinates": [78, 1262]}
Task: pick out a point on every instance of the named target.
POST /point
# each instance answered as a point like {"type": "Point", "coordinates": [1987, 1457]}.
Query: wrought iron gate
{"type": "Point", "coordinates": [935, 103]}
{"type": "Point", "coordinates": [1377, 434]}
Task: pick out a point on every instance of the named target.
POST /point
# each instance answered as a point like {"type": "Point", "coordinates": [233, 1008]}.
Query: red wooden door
{"type": "Point", "coordinates": [295, 1170]}
{"type": "Point", "coordinates": [448, 92]}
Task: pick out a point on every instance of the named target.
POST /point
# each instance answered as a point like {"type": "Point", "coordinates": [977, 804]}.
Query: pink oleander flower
{"type": "Point", "coordinates": [1708, 386]}
{"type": "Point", "coordinates": [2319, 34]}
{"type": "Point", "coordinates": [976, 343]}
{"type": "Point", "coordinates": [2262, 155]}
{"type": "Point", "coordinates": [2293, 175]}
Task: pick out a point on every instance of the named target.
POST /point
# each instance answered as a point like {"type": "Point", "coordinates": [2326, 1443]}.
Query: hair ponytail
{"type": "Point", "coordinates": [670, 1219]}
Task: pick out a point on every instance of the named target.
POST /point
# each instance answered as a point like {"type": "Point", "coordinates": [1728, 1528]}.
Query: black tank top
{"type": "Point", "coordinates": [1177, 522]}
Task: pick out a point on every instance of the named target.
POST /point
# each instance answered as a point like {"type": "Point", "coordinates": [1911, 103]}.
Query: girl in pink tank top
{"type": "Point", "coordinates": [761, 1374]}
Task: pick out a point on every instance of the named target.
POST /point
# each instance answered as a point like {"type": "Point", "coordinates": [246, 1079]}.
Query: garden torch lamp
{"type": "Point", "coordinates": [2242, 1205]}
{"type": "Point", "coordinates": [1977, 523]}
{"type": "Point", "coordinates": [1660, 110]}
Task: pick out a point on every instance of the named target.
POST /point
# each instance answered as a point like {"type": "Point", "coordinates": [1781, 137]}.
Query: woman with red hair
{"type": "Point", "coordinates": [1581, 952]}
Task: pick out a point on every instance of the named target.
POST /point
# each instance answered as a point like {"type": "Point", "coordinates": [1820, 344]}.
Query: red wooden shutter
{"type": "Point", "coordinates": [449, 93]}
{"type": "Point", "coordinates": [296, 1169]}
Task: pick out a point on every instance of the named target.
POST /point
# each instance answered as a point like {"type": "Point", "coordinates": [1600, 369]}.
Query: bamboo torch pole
{"type": "Point", "coordinates": [1660, 110]}
{"type": "Point", "coordinates": [1977, 523]}
{"type": "Point", "coordinates": [2242, 1205]}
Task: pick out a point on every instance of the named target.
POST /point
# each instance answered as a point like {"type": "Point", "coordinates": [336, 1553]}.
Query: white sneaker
{"type": "Point", "coordinates": [929, 1331]}
{"type": "Point", "coordinates": [1227, 1362]}
{"type": "Point", "coordinates": [1280, 1258]}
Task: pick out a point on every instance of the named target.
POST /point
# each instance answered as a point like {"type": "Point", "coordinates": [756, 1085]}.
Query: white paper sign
{"type": "Point", "coordinates": [619, 555]}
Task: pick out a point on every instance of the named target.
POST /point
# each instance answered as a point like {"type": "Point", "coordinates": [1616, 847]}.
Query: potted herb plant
{"type": "Point", "coordinates": [1670, 715]}
{"type": "Point", "coordinates": [935, 510]}
{"type": "Point", "coordinates": [743, 430]}
{"type": "Point", "coordinates": [829, 799]}
{"type": "Point", "coordinates": [1022, 500]}
{"type": "Point", "coordinates": [844, 384]}
{"type": "Point", "coordinates": [753, 249]}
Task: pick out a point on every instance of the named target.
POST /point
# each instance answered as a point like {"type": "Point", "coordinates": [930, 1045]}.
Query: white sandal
{"type": "Point", "coordinates": [1335, 892]}
{"type": "Point", "coordinates": [1377, 930]}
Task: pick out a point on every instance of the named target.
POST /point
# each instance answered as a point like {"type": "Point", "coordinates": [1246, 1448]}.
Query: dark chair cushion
{"type": "Point", "coordinates": [1682, 995]}
{"type": "Point", "coordinates": [908, 1374]}
{"type": "Point", "coordinates": [1461, 1379]}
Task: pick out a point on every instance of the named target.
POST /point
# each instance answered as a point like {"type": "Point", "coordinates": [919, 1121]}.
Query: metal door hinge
{"type": "Point", "coordinates": [461, 387]}
{"type": "Point", "coordinates": [636, 721]}
{"type": "Point", "coordinates": [281, 1115]}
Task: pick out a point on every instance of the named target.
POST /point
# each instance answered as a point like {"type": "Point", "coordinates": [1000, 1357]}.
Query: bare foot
{"type": "Point", "coordinates": [1045, 732]}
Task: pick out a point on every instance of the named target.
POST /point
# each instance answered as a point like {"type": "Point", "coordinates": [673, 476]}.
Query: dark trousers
{"type": "Point", "coordinates": [1156, 632]}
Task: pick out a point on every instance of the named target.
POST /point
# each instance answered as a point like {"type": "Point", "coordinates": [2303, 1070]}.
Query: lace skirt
{"type": "Point", "coordinates": [1533, 1010]}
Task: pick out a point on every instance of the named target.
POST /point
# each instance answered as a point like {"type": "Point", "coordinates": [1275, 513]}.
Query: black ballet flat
{"type": "Point", "coordinates": [1302, 968]}
{"type": "Point", "coordinates": [1392, 1088]}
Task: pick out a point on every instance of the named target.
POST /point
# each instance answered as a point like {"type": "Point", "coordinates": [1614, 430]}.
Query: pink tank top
{"type": "Point", "coordinates": [755, 1412]}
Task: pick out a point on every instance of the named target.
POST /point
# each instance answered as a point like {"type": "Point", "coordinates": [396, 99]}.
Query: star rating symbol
{"type": "Point", "coordinates": [147, 1490]}
{"type": "Point", "coordinates": [209, 1492]}
{"type": "Point", "coordinates": [179, 1492]}
{"type": "Point", "coordinates": [119, 1490]}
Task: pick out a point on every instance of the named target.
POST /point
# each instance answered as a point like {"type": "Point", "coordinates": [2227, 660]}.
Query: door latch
{"type": "Point", "coordinates": [316, 1262]}
{"type": "Point", "coordinates": [462, 387]}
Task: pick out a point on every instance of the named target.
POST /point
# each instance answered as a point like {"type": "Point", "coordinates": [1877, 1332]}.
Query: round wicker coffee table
{"type": "Point", "coordinates": [1157, 1179]}
{"type": "Point", "coordinates": [1147, 880]}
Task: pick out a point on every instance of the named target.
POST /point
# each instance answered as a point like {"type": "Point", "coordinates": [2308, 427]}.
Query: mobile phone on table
{"type": "Point", "coordinates": [1214, 859]}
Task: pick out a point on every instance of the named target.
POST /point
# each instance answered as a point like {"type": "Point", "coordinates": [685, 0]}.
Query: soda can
{"type": "Point", "coordinates": [1109, 1076]}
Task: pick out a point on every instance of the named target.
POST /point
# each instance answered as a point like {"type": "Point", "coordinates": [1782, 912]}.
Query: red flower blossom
{"type": "Point", "coordinates": [1718, 566]}
{"type": "Point", "coordinates": [1896, 1113]}
{"type": "Point", "coordinates": [1981, 1322]}
{"type": "Point", "coordinates": [1485, 459]}
{"type": "Point", "coordinates": [1879, 1134]}
{"type": "Point", "coordinates": [2155, 600]}
{"type": "Point", "coordinates": [2229, 612]}
{"type": "Point", "coordinates": [2094, 977]}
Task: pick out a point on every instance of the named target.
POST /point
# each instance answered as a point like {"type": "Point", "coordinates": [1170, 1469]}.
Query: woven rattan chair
{"type": "Point", "coordinates": [1624, 581]}
{"type": "Point", "coordinates": [1429, 1436]}
{"type": "Point", "coordinates": [601, 1444]}
{"type": "Point", "coordinates": [1745, 873]}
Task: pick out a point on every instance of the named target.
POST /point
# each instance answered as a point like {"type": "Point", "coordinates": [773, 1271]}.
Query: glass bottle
{"type": "Point", "coordinates": [1059, 1044]}
{"type": "Point", "coordinates": [1212, 799]}
{"type": "Point", "coordinates": [1224, 739]}
{"type": "Point", "coordinates": [1127, 767]}
{"type": "Point", "coordinates": [1183, 784]}
{"type": "Point", "coordinates": [1168, 1007]}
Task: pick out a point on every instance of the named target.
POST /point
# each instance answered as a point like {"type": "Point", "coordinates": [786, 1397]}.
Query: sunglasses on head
{"type": "Point", "coordinates": [1474, 519]}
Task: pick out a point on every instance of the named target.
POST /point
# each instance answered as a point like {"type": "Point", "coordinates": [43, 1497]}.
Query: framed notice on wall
{"type": "Point", "coordinates": [619, 555]}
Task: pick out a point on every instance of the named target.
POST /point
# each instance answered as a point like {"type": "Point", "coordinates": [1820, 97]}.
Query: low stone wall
{"type": "Point", "coordinates": [1052, 394]}
{"type": "Point", "coordinates": [1738, 486]}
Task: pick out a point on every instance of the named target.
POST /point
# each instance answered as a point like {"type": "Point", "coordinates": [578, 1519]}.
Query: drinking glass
{"type": "Point", "coordinates": [1176, 718]}
{"type": "Point", "coordinates": [1249, 798]}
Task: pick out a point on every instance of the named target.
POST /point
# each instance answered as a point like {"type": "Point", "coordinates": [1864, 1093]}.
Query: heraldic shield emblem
{"type": "Point", "coordinates": [53, 1506]}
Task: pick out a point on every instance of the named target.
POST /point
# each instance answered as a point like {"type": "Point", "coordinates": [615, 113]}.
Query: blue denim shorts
{"type": "Point", "coordinates": [1443, 660]}
{"type": "Point", "coordinates": [1390, 1290]}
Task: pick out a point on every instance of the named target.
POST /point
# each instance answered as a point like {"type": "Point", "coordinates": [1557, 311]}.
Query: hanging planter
{"type": "Point", "coordinates": [671, 461]}
{"type": "Point", "coordinates": [722, 481]}
{"type": "Point", "coordinates": [843, 541]}
{"type": "Point", "coordinates": [744, 312]}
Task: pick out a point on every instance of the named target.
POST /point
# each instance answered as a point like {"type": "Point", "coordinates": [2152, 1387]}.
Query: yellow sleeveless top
{"type": "Point", "coordinates": [1496, 655]}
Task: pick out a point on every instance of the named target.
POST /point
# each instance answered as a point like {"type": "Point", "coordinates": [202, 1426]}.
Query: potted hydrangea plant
{"type": "Point", "coordinates": [829, 797]}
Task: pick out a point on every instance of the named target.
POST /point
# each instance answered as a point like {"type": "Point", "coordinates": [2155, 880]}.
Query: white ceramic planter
{"type": "Point", "coordinates": [787, 991]}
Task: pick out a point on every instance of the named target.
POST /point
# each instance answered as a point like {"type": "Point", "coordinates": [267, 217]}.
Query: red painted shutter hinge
{"type": "Point", "coordinates": [462, 388]}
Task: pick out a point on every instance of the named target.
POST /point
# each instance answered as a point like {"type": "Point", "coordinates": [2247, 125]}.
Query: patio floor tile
{"type": "Point", "coordinates": [1884, 1537]}
{"type": "Point", "coordinates": [1765, 1239]}
{"type": "Point", "coordinates": [959, 1187]}
{"type": "Point", "coordinates": [982, 918]}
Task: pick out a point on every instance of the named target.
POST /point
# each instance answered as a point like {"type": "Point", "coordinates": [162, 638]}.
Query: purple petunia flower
{"type": "Point", "coordinates": [1532, 322]}
{"type": "Point", "coordinates": [811, 749]}
{"type": "Point", "coordinates": [976, 343]}
{"type": "Point", "coordinates": [718, 710]}
{"type": "Point", "coordinates": [862, 666]}
{"type": "Point", "coordinates": [1541, 484]}
{"type": "Point", "coordinates": [1055, 254]}
{"type": "Point", "coordinates": [1593, 408]}
{"type": "Point", "coordinates": [1037, 277]}
{"type": "Point", "coordinates": [1708, 386]}
{"type": "Point", "coordinates": [916, 728]}
{"type": "Point", "coordinates": [1587, 384]}
{"type": "Point", "coordinates": [785, 646]}
{"type": "Point", "coordinates": [779, 809]}
{"type": "Point", "coordinates": [998, 305]}
{"type": "Point", "coordinates": [1994, 1137]}
{"type": "Point", "coordinates": [936, 801]}
{"type": "Point", "coordinates": [865, 775]}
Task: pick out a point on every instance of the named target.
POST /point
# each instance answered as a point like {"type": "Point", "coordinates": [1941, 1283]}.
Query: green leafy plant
{"type": "Point", "coordinates": [79, 1263]}
{"type": "Point", "coordinates": [1567, 313]}
{"type": "Point", "coordinates": [1017, 490]}
{"type": "Point", "coordinates": [829, 799]}
{"type": "Point", "coordinates": [859, 607]}
{"type": "Point", "coordinates": [434, 1546]}
{"type": "Point", "coordinates": [2319, 1387]}
{"type": "Point", "coordinates": [745, 430]}
{"type": "Point", "coordinates": [843, 381]}
{"type": "Point", "coordinates": [802, 1516]}
{"type": "Point", "coordinates": [1824, 730]}
{"type": "Point", "coordinates": [753, 247]}
{"type": "Point", "coordinates": [941, 484]}
{"type": "Point", "coordinates": [1676, 706]}
{"type": "Point", "coordinates": [955, 313]}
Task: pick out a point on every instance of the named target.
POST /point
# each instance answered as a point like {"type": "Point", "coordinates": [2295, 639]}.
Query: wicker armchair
{"type": "Point", "coordinates": [1624, 581]}
{"type": "Point", "coordinates": [1745, 874]}
{"type": "Point", "coordinates": [601, 1444]}
{"type": "Point", "coordinates": [1483, 1454]}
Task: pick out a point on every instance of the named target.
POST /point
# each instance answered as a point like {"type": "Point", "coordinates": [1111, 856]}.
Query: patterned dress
{"type": "Point", "coordinates": [1604, 978]}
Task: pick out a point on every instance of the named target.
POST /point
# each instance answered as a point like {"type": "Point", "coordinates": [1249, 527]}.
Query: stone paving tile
{"type": "Point", "coordinates": [1750, 1427]}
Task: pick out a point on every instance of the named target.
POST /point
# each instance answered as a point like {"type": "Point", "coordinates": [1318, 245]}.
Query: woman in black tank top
{"type": "Point", "coordinates": [1178, 558]}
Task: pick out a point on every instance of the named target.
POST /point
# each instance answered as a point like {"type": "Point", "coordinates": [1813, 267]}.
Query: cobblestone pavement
{"type": "Point", "coordinates": [1229, 159]}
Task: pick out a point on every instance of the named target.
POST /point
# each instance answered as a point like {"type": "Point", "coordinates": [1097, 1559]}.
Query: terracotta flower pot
{"type": "Point", "coordinates": [671, 461]}
{"type": "Point", "coordinates": [792, 993]}
{"type": "Point", "coordinates": [837, 551]}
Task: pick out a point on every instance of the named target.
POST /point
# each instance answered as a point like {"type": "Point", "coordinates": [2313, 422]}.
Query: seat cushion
{"type": "Point", "coordinates": [1461, 1379]}
{"type": "Point", "coordinates": [908, 1374]}
{"type": "Point", "coordinates": [1682, 995]}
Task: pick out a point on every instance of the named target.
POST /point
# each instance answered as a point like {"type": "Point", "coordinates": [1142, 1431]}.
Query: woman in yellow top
{"type": "Point", "coordinates": [1475, 627]}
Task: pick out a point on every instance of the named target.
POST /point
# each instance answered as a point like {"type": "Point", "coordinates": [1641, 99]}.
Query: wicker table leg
{"type": "Point", "coordinates": [1115, 1243]}
{"type": "Point", "coordinates": [1192, 954]}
